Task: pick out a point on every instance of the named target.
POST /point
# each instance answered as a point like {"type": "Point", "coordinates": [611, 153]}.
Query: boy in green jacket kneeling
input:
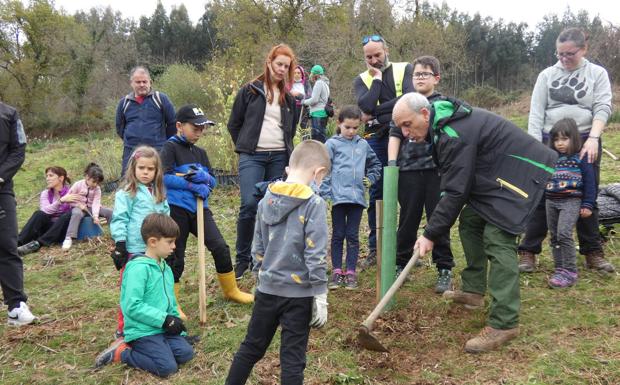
{"type": "Point", "coordinates": [153, 330]}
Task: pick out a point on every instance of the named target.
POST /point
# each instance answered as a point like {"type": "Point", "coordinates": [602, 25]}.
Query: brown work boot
{"type": "Point", "coordinates": [596, 260]}
{"type": "Point", "coordinates": [490, 339]}
{"type": "Point", "coordinates": [469, 300]}
{"type": "Point", "coordinates": [527, 261]}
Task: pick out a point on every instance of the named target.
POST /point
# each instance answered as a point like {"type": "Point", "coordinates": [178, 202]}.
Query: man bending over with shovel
{"type": "Point", "coordinates": [493, 174]}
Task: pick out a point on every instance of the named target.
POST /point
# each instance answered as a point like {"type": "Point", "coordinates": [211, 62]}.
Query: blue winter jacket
{"type": "Point", "coordinates": [352, 160]}
{"type": "Point", "coordinates": [145, 123]}
{"type": "Point", "coordinates": [179, 157]}
{"type": "Point", "coordinates": [129, 213]}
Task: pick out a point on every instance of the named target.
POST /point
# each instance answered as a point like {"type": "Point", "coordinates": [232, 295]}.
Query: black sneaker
{"type": "Point", "coordinates": [240, 269]}
{"type": "Point", "coordinates": [444, 281]}
{"type": "Point", "coordinates": [370, 261]}
{"type": "Point", "coordinates": [28, 248]}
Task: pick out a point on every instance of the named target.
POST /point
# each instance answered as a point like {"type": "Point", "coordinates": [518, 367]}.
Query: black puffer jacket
{"type": "Point", "coordinates": [488, 163]}
{"type": "Point", "coordinates": [247, 115]}
{"type": "Point", "coordinates": [12, 146]}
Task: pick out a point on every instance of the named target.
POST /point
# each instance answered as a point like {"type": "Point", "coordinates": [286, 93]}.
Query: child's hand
{"type": "Point", "coordinates": [200, 190]}
{"type": "Point", "coordinates": [173, 325]}
{"type": "Point", "coordinates": [366, 182]}
{"type": "Point", "coordinates": [81, 206]}
{"type": "Point", "coordinates": [319, 311]}
{"type": "Point", "coordinates": [120, 255]}
{"type": "Point", "coordinates": [200, 176]}
{"type": "Point", "coordinates": [585, 212]}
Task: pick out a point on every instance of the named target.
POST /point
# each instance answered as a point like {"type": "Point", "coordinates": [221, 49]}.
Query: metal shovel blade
{"type": "Point", "coordinates": [369, 341]}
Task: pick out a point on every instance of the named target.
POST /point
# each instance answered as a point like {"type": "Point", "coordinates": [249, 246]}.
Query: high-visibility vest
{"type": "Point", "coordinates": [398, 73]}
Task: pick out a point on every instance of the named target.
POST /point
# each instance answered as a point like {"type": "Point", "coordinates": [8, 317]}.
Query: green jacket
{"type": "Point", "coordinates": [147, 297]}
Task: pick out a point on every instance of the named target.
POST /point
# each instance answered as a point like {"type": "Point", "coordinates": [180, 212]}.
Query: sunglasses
{"type": "Point", "coordinates": [375, 38]}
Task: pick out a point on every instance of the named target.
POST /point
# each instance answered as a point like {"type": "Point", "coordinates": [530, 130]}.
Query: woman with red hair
{"type": "Point", "coordinates": [262, 126]}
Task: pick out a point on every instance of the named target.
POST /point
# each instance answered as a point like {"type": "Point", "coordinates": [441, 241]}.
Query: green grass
{"type": "Point", "coordinates": [567, 337]}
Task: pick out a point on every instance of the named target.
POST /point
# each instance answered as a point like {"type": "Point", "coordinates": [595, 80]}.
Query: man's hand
{"type": "Point", "coordinates": [424, 245]}
{"type": "Point", "coordinates": [375, 72]}
{"type": "Point", "coordinates": [120, 255]}
{"type": "Point", "coordinates": [319, 311]}
{"type": "Point", "coordinates": [173, 325]}
{"type": "Point", "coordinates": [585, 212]}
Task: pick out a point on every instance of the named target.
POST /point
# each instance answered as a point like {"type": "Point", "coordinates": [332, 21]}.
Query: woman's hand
{"type": "Point", "coordinates": [590, 149]}
{"type": "Point", "coordinates": [585, 212]}
{"type": "Point", "coordinates": [70, 198]}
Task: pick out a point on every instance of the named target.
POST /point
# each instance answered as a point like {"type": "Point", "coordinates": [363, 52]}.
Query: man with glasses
{"type": "Point", "coordinates": [418, 182]}
{"type": "Point", "coordinates": [377, 89]}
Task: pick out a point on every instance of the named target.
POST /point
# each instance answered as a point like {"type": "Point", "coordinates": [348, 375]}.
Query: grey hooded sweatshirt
{"type": "Point", "coordinates": [290, 242]}
{"type": "Point", "coordinates": [320, 94]}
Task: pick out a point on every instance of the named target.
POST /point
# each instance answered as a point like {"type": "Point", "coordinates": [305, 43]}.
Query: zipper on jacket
{"type": "Point", "coordinates": [512, 187]}
{"type": "Point", "coordinates": [163, 277]}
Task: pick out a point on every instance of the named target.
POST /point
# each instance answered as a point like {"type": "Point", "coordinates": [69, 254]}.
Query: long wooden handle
{"type": "Point", "coordinates": [202, 288]}
{"type": "Point", "coordinates": [369, 322]}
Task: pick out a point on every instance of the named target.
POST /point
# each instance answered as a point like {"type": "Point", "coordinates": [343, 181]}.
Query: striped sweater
{"type": "Point", "coordinates": [573, 178]}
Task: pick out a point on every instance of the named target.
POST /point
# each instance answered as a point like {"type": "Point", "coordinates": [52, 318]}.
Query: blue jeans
{"type": "Point", "coordinates": [159, 354]}
{"type": "Point", "coordinates": [319, 127]}
{"type": "Point", "coordinates": [379, 146]}
{"type": "Point", "coordinates": [254, 168]}
{"type": "Point", "coordinates": [346, 220]}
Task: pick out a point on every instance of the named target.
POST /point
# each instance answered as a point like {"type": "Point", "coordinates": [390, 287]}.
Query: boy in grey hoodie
{"type": "Point", "coordinates": [289, 252]}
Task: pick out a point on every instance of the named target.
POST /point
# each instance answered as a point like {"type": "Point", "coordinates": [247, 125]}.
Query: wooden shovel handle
{"type": "Point", "coordinates": [369, 322]}
{"type": "Point", "coordinates": [202, 288]}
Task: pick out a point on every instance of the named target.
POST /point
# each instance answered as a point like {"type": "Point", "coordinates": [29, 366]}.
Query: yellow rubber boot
{"type": "Point", "coordinates": [230, 289]}
{"type": "Point", "coordinates": [182, 315]}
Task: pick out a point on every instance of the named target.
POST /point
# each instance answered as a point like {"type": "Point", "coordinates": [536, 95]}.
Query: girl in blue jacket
{"type": "Point", "coordinates": [355, 167]}
{"type": "Point", "coordinates": [141, 194]}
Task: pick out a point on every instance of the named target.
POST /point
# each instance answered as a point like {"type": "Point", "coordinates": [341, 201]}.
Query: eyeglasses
{"type": "Point", "coordinates": [422, 75]}
{"type": "Point", "coordinates": [375, 38]}
{"type": "Point", "coordinates": [568, 55]}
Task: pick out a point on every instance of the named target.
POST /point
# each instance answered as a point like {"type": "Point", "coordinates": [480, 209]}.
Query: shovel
{"type": "Point", "coordinates": [364, 332]}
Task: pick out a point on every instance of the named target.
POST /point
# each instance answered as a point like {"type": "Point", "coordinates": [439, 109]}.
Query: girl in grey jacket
{"type": "Point", "coordinates": [355, 167]}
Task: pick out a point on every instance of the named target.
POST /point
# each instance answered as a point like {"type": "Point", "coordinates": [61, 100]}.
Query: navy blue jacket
{"type": "Point", "coordinates": [145, 123]}
{"type": "Point", "coordinates": [178, 156]}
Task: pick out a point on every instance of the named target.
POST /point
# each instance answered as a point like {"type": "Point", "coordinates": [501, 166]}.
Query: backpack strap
{"type": "Point", "coordinates": [156, 100]}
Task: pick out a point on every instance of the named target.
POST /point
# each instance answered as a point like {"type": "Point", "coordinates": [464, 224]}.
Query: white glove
{"type": "Point", "coordinates": [319, 311]}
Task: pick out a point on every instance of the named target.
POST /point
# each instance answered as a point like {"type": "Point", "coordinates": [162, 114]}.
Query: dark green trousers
{"type": "Point", "coordinates": [485, 244]}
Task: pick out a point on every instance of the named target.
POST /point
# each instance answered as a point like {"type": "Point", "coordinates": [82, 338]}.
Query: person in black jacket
{"type": "Point", "coordinates": [418, 182]}
{"type": "Point", "coordinates": [12, 155]}
{"type": "Point", "coordinates": [262, 126]}
{"type": "Point", "coordinates": [494, 175]}
{"type": "Point", "coordinates": [376, 90]}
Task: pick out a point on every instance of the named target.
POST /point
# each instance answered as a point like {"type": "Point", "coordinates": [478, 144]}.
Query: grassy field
{"type": "Point", "coordinates": [567, 337]}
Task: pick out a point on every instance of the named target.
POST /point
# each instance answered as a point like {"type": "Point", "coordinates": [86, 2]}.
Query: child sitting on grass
{"type": "Point", "coordinates": [89, 202]}
{"type": "Point", "coordinates": [153, 340]}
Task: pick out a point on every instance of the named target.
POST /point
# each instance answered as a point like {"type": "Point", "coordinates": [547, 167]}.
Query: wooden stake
{"type": "Point", "coordinates": [202, 287]}
{"type": "Point", "coordinates": [611, 155]}
{"type": "Point", "coordinates": [379, 226]}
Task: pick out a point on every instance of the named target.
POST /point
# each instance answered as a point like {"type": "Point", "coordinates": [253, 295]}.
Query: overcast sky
{"type": "Point", "coordinates": [529, 11]}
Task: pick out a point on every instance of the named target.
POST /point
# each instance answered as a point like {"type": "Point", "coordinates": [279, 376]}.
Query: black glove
{"type": "Point", "coordinates": [192, 340]}
{"type": "Point", "coordinates": [120, 255]}
{"type": "Point", "coordinates": [173, 325]}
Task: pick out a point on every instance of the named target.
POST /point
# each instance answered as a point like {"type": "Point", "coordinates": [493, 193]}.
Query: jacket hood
{"type": "Point", "coordinates": [282, 198]}
{"type": "Point", "coordinates": [446, 111]}
{"type": "Point", "coordinates": [323, 78]}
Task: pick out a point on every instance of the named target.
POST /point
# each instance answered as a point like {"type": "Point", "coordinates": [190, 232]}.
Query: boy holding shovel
{"type": "Point", "coordinates": [186, 177]}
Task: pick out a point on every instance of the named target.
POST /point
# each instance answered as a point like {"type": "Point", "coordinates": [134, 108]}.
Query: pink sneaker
{"type": "Point", "coordinates": [562, 278]}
